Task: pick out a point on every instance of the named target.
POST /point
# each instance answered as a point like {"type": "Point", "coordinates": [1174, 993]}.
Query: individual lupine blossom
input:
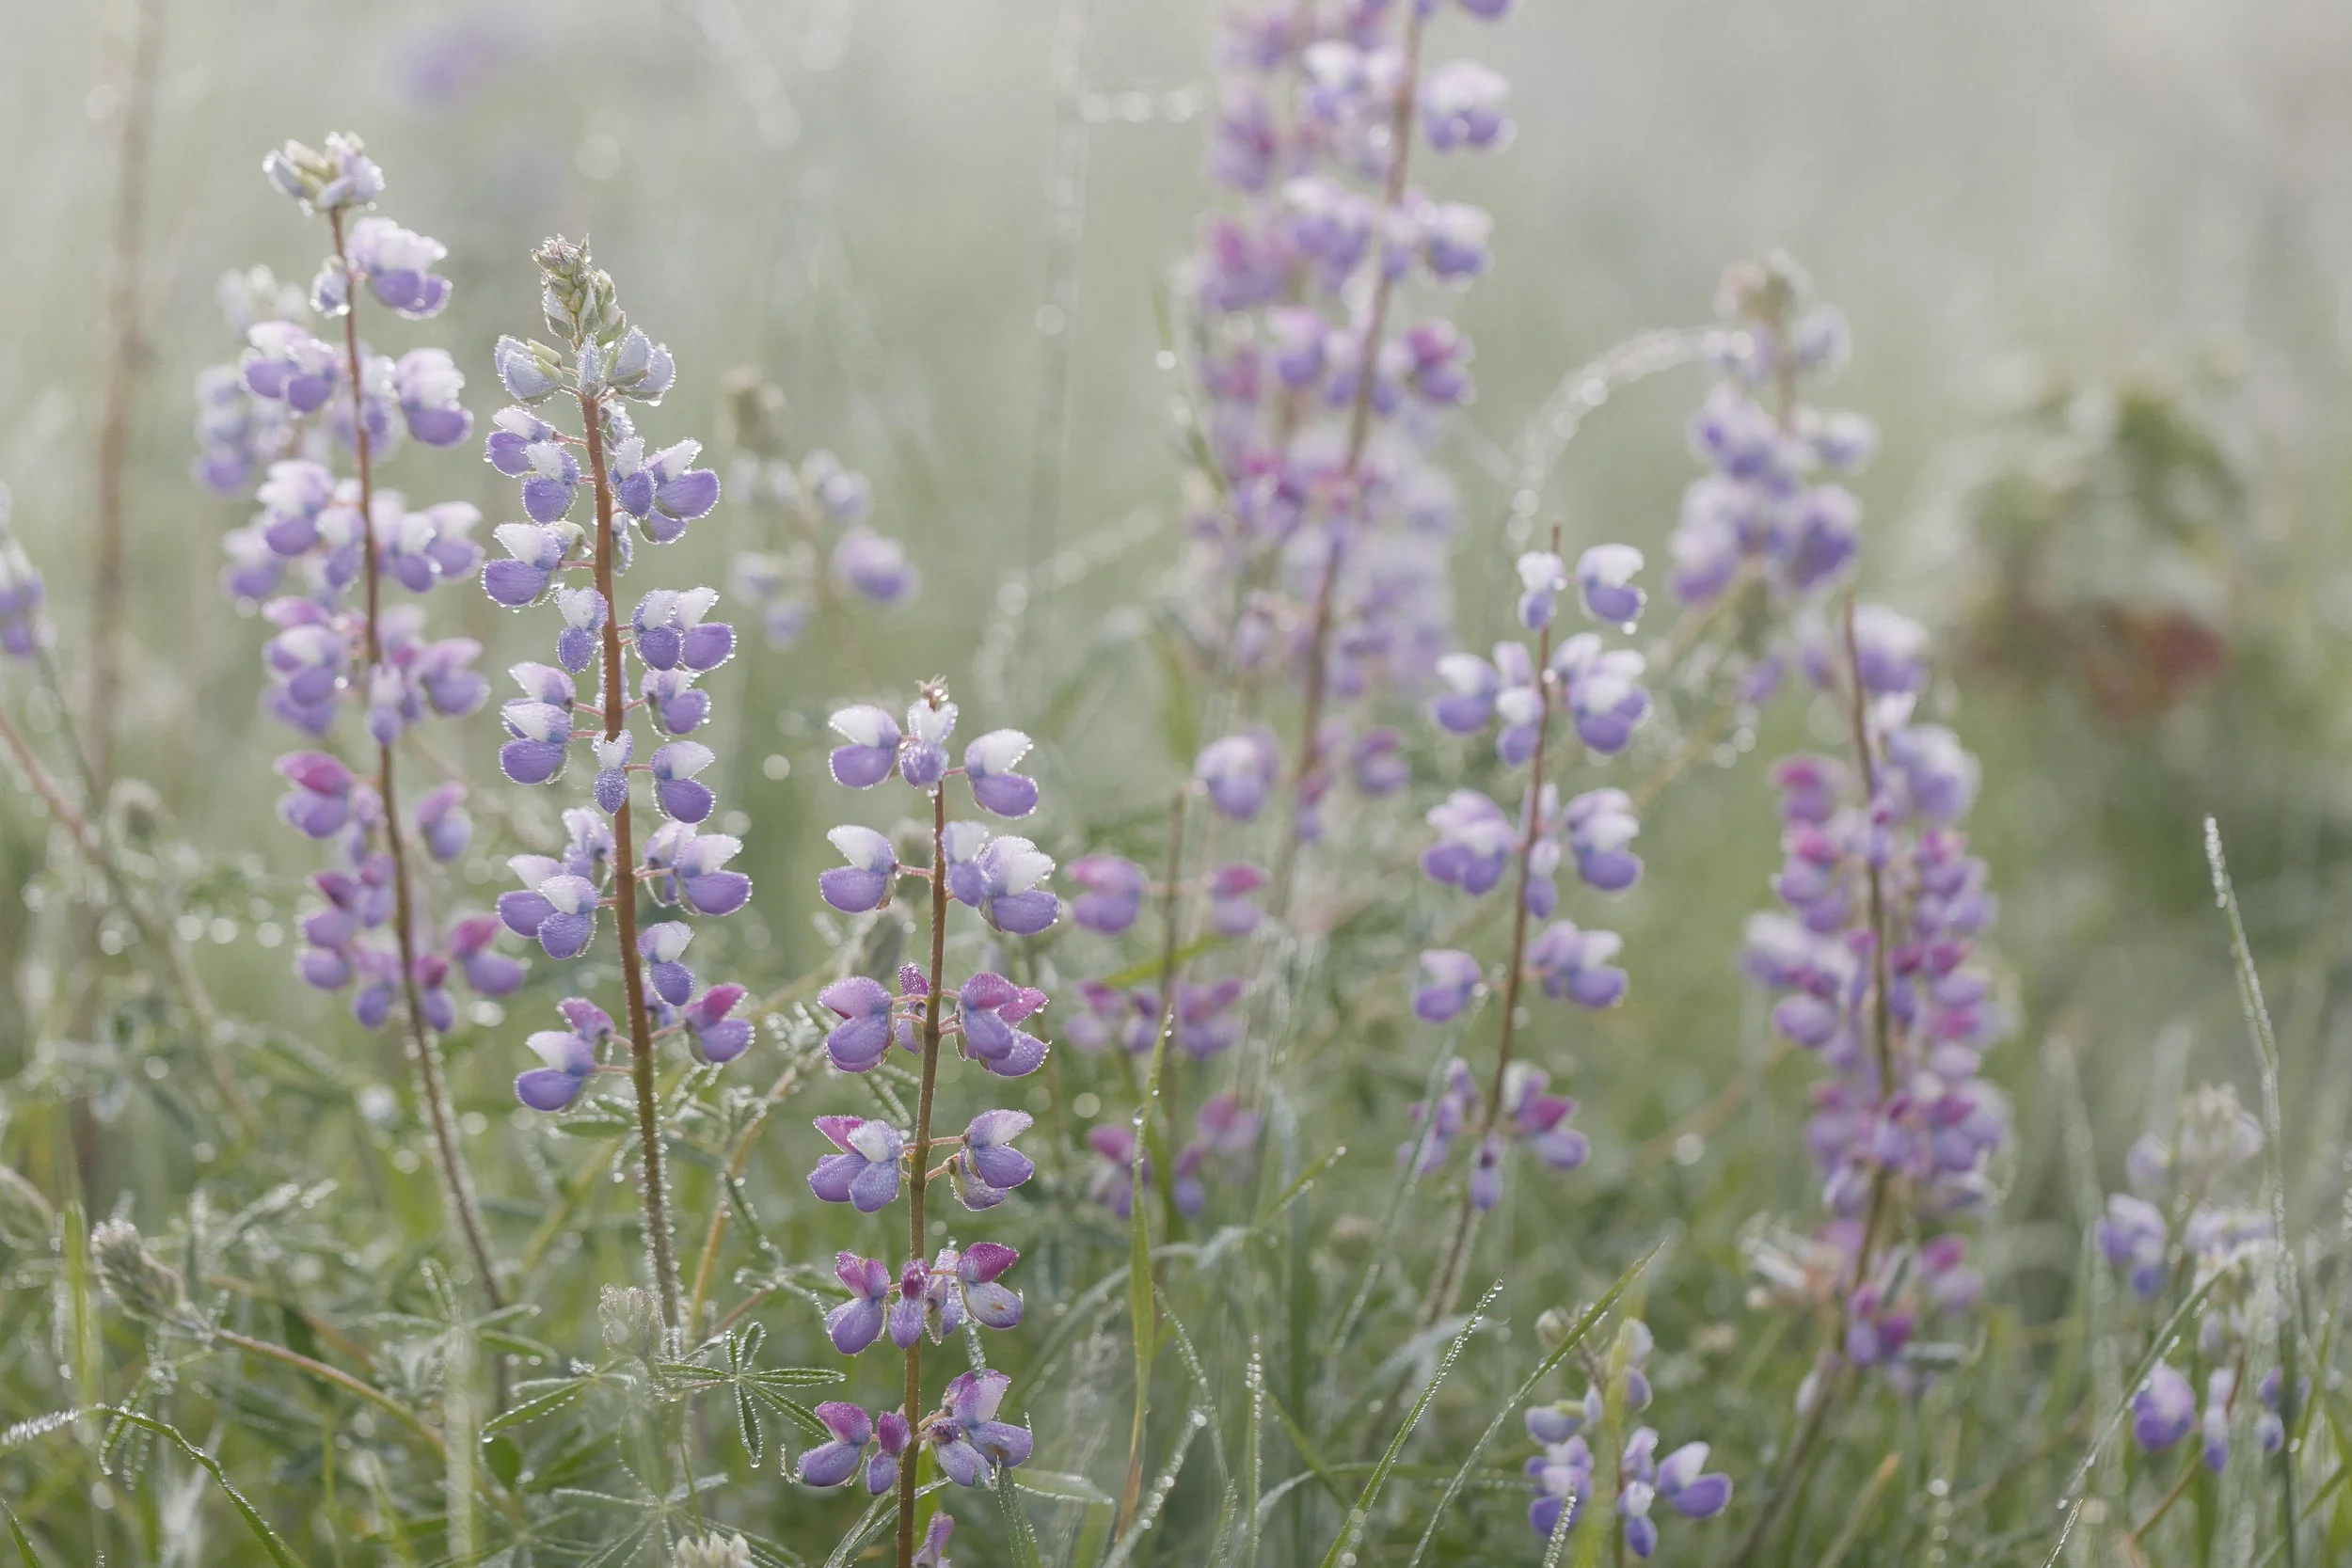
{"type": "Point", "coordinates": [1291, 281]}
{"type": "Point", "coordinates": [669, 638]}
{"type": "Point", "coordinates": [933, 1299]}
{"type": "Point", "coordinates": [23, 630]}
{"type": "Point", "coordinates": [1563, 1472]}
{"type": "Point", "coordinates": [1928, 1131]}
{"type": "Point", "coordinates": [968, 1443]}
{"type": "Point", "coordinates": [238, 434]}
{"type": "Point", "coordinates": [2222, 1248]}
{"type": "Point", "coordinates": [983, 1018]}
{"type": "Point", "coordinates": [302, 558]}
{"type": "Point", "coordinates": [1223, 1146]}
{"type": "Point", "coordinates": [1765, 508]}
{"type": "Point", "coordinates": [1529, 1116]}
{"type": "Point", "coordinates": [824, 509]}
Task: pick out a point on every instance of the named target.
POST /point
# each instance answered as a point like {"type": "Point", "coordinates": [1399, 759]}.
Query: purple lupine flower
{"type": "Point", "coordinates": [570, 1055]}
{"type": "Point", "coordinates": [864, 883]}
{"type": "Point", "coordinates": [285, 364]}
{"type": "Point", "coordinates": [1461, 103]}
{"type": "Point", "coordinates": [320, 803]}
{"type": "Point", "coordinates": [427, 382]}
{"type": "Point", "coordinates": [678, 707]}
{"type": "Point", "coordinates": [988, 1006]}
{"type": "Point", "coordinates": [1605, 575]}
{"type": "Point", "coordinates": [1202, 1024]}
{"type": "Point", "coordinates": [584, 612]}
{"type": "Point", "coordinates": [964, 1284]}
{"type": "Point", "coordinates": [1605, 697]}
{"type": "Point", "coordinates": [933, 1552]}
{"type": "Point", "coordinates": [988, 1166]}
{"type": "Point", "coordinates": [2163, 1409]}
{"type": "Point", "coordinates": [909, 1305]}
{"type": "Point", "coordinates": [1456, 1108]}
{"type": "Point", "coordinates": [1542, 576]}
{"type": "Point", "coordinates": [872, 752]}
{"type": "Point", "coordinates": [1690, 1489]}
{"type": "Point", "coordinates": [988, 765]}
{"type": "Point", "coordinates": [1450, 978]}
{"type": "Point", "coordinates": [1113, 1181]}
{"type": "Point", "coordinates": [488, 972]}
{"type": "Point", "coordinates": [855, 1433]}
{"type": "Point", "coordinates": [535, 552]}
{"type": "Point", "coordinates": [1114, 886]}
{"type": "Point", "coordinates": [875, 567]}
{"type": "Point", "coordinates": [968, 1442]}
{"type": "Point", "coordinates": [554, 906]}
{"type": "Point", "coordinates": [666, 491]}
{"type": "Point", "coordinates": [860, 1040]}
{"type": "Point", "coordinates": [857, 1322]}
{"type": "Point", "coordinates": [1239, 772]}
{"type": "Point", "coordinates": [2133, 1235]}
{"type": "Point", "coordinates": [712, 1032]}
{"type": "Point", "coordinates": [325, 181]}
{"type": "Point", "coordinates": [865, 1173]}
{"type": "Point", "coordinates": [1574, 964]}
{"type": "Point", "coordinates": [444, 827]}
{"type": "Point", "coordinates": [675, 790]}
{"type": "Point", "coordinates": [1474, 843]}
{"type": "Point", "coordinates": [1000, 877]}
{"type": "Point", "coordinates": [1598, 825]}
{"type": "Point", "coordinates": [660, 945]}
{"type": "Point", "coordinates": [2214, 1425]}
{"type": "Point", "coordinates": [1229, 888]}
{"type": "Point", "coordinates": [526, 371]}
{"type": "Point", "coordinates": [1468, 703]}
{"type": "Point", "coordinates": [1540, 1120]}
{"type": "Point", "coordinates": [540, 724]}
{"type": "Point", "coordinates": [689, 870]}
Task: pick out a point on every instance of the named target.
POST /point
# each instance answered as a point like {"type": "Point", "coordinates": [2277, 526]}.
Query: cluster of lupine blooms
{"type": "Point", "coordinates": [1205, 1018]}
{"type": "Point", "coordinates": [1598, 690]}
{"type": "Point", "coordinates": [305, 559]}
{"type": "Point", "coordinates": [2223, 1247]}
{"type": "Point", "coordinates": [824, 507]}
{"type": "Point", "coordinates": [1319, 391]}
{"type": "Point", "coordinates": [1904, 1127]}
{"type": "Point", "coordinates": [1000, 876]}
{"type": "Point", "coordinates": [23, 628]}
{"type": "Point", "coordinates": [1563, 1472]}
{"type": "Point", "coordinates": [1764, 511]}
{"type": "Point", "coordinates": [603, 361]}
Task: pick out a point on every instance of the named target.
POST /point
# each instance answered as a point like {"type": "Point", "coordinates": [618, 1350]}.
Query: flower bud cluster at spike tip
{"type": "Point", "coordinates": [823, 509]}
{"type": "Point", "coordinates": [1929, 1129]}
{"type": "Point", "coordinates": [1763, 508]}
{"type": "Point", "coordinates": [670, 637]}
{"type": "Point", "coordinates": [1322, 365]}
{"type": "Point", "coordinates": [1563, 1472]}
{"type": "Point", "coordinates": [283, 415]}
{"type": "Point", "coordinates": [2208, 1173]}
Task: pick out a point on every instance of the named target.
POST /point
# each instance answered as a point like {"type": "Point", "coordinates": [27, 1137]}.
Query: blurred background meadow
{"type": "Point", "coordinates": [2097, 263]}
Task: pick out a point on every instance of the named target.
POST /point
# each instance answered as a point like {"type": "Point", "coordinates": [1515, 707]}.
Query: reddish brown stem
{"type": "Point", "coordinates": [123, 374]}
{"type": "Point", "coordinates": [916, 1240]}
{"type": "Point", "coordinates": [655, 1183]}
{"type": "Point", "coordinates": [1358, 433]}
{"type": "Point", "coordinates": [424, 1050]}
{"type": "Point", "coordinates": [1466, 1218]}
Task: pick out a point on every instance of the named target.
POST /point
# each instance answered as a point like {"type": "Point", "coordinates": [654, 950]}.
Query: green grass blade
{"type": "Point", "coordinates": [1344, 1545]}
{"type": "Point", "coordinates": [1576, 1336]}
{"type": "Point", "coordinates": [16, 1532]}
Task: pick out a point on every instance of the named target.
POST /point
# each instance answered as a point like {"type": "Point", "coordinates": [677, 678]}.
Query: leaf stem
{"type": "Point", "coordinates": [915, 1234]}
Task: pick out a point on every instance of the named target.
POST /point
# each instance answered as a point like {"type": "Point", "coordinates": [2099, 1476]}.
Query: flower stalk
{"type": "Point", "coordinates": [424, 1050]}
